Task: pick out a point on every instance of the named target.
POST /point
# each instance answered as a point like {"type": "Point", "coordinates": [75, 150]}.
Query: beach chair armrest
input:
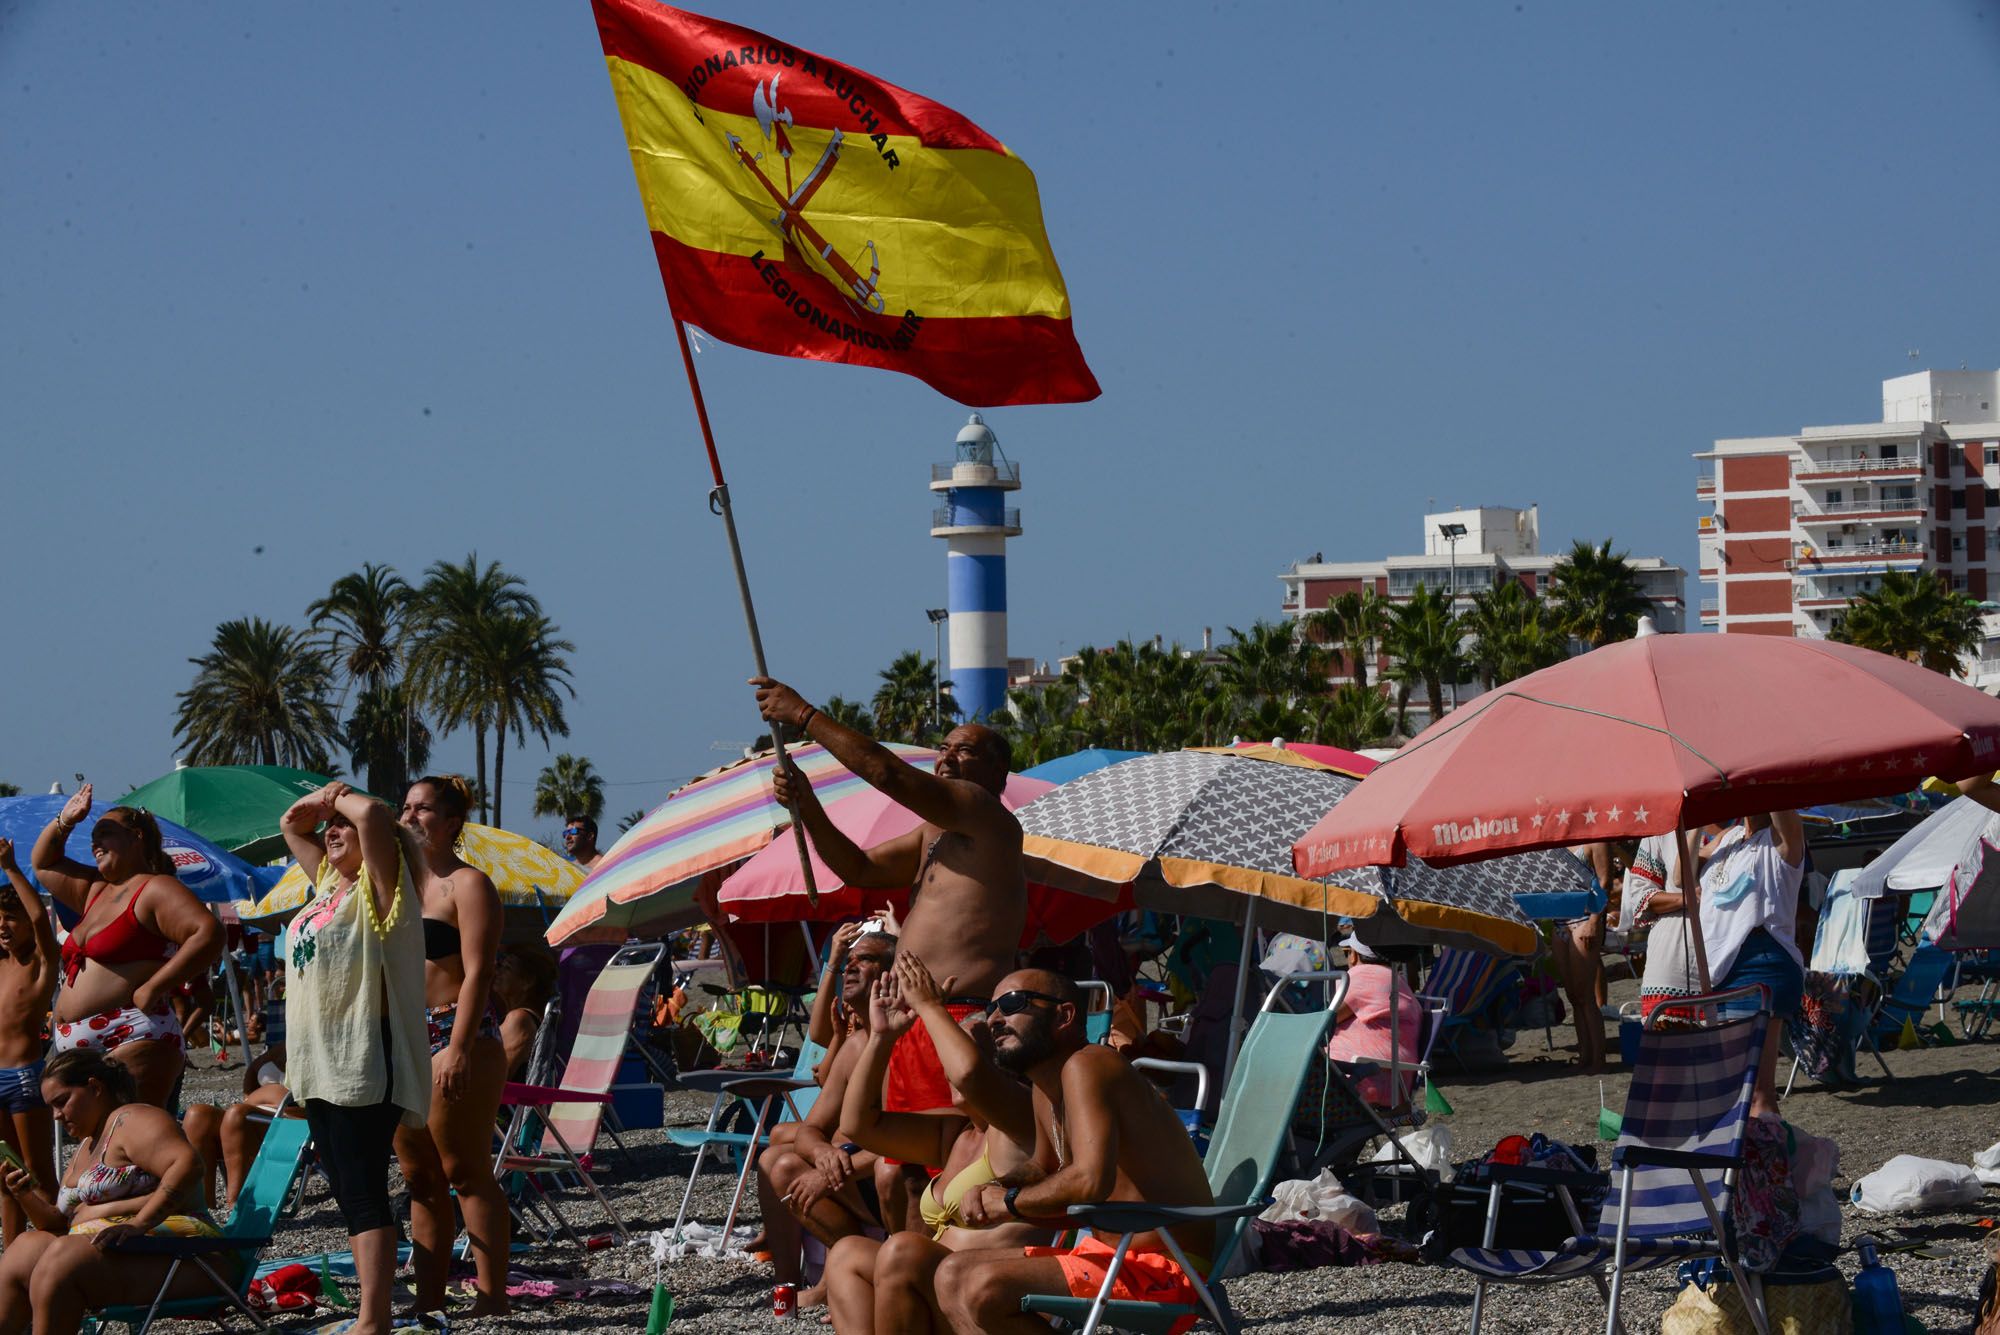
{"type": "Point", "coordinates": [726, 1082]}
{"type": "Point", "coordinates": [1645, 1156]}
{"type": "Point", "coordinates": [1529, 1175]}
{"type": "Point", "coordinates": [542, 1095]}
{"type": "Point", "coordinates": [148, 1244]}
{"type": "Point", "coordinates": [1141, 1216]}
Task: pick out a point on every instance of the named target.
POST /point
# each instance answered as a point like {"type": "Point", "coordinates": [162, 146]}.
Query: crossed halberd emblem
{"type": "Point", "coordinates": [799, 236]}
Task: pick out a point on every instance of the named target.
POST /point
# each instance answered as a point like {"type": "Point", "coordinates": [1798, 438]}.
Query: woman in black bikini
{"type": "Point", "coordinates": [468, 1064]}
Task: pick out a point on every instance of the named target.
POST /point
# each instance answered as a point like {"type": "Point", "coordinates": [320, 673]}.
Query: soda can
{"type": "Point", "coordinates": [784, 1300]}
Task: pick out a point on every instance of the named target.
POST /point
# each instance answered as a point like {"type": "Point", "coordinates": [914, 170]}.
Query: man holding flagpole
{"type": "Point", "coordinates": [968, 893]}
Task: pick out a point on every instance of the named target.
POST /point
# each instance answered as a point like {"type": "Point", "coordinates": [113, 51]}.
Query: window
{"type": "Point", "coordinates": [1958, 583]}
{"type": "Point", "coordinates": [1958, 542]}
{"type": "Point", "coordinates": [1993, 495]}
{"type": "Point", "coordinates": [1992, 453]}
{"type": "Point", "coordinates": [1833, 495]}
{"type": "Point", "coordinates": [1958, 498]}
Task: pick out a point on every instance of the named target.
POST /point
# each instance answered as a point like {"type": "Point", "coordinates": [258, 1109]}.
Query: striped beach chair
{"type": "Point", "coordinates": [1467, 981]}
{"type": "Point", "coordinates": [1671, 1171]}
{"type": "Point", "coordinates": [571, 1114]}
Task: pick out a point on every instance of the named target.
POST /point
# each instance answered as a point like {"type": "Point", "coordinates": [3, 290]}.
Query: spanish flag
{"type": "Point", "coordinates": [802, 207]}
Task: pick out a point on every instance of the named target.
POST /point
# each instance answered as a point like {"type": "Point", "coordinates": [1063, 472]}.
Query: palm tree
{"type": "Point", "coordinates": [569, 786]}
{"type": "Point", "coordinates": [1353, 716]}
{"type": "Point", "coordinates": [521, 673]}
{"type": "Point", "coordinates": [1424, 647]}
{"type": "Point", "coordinates": [909, 696]}
{"type": "Point", "coordinates": [1513, 634]}
{"type": "Point", "coordinates": [1264, 663]}
{"type": "Point", "coordinates": [630, 819]}
{"type": "Point", "coordinates": [450, 620]}
{"type": "Point", "coordinates": [1354, 622]}
{"type": "Point", "coordinates": [387, 740]}
{"type": "Point", "coordinates": [849, 714]}
{"type": "Point", "coordinates": [1915, 615]}
{"type": "Point", "coordinates": [1041, 724]}
{"type": "Point", "coordinates": [1596, 594]}
{"type": "Point", "coordinates": [10, 790]}
{"type": "Point", "coordinates": [259, 697]}
{"type": "Point", "coordinates": [361, 618]}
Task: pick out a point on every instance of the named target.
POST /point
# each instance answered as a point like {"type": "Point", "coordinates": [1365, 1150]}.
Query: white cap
{"type": "Point", "coordinates": [1354, 943]}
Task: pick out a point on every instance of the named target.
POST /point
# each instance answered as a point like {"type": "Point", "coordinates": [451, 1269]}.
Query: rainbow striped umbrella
{"type": "Point", "coordinates": [648, 879]}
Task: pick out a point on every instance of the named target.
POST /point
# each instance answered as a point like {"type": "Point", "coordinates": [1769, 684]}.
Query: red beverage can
{"type": "Point", "coordinates": [784, 1300]}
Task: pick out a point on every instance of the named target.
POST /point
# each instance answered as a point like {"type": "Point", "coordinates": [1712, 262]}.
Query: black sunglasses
{"type": "Point", "coordinates": [1013, 1003]}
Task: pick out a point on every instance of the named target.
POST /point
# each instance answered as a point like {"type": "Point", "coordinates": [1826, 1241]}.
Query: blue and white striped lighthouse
{"type": "Point", "coordinates": [976, 524]}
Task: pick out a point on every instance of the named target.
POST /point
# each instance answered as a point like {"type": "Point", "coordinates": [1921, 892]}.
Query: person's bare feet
{"type": "Point", "coordinates": [485, 1306]}
{"type": "Point", "coordinates": [813, 1295]}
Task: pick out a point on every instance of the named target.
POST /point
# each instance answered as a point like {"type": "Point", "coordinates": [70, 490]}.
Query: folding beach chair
{"type": "Point", "coordinates": [1333, 1123]}
{"type": "Point", "coordinates": [1468, 981]}
{"type": "Point", "coordinates": [244, 1237]}
{"type": "Point", "coordinates": [1250, 1135]}
{"type": "Point", "coordinates": [1914, 994]}
{"type": "Point", "coordinates": [1672, 1169]}
{"type": "Point", "coordinates": [571, 1114]}
{"type": "Point", "coordinates": [774, 1098]}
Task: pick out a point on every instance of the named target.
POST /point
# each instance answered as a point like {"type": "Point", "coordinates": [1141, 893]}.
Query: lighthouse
{"type": "Point", "coordinates": [975, 523]}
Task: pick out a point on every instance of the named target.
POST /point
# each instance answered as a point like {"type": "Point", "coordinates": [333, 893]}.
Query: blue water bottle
{"type": "Point", "coordinates": [1878, 1307]}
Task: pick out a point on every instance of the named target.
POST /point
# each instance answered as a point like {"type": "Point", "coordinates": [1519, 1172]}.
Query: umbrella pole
{"type": "Point", "coordinates": [718, 502]}
{"type": "Point", "coordinates": [1243, 967]}
{"type": "Point", "coordinates": [1691, 904]}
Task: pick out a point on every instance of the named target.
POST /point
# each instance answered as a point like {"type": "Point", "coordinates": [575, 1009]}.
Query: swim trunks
{"type": "Point", "coordinates": [1145, 1277]}
{"type": "Point", "coordinates": [21, 1087]}
{"type": "Point", "coordinates": [108, 1031]}
{"type": "Point", "coordinates": [443, 1019]}
{"type": "Point", "coordinates": [915, 1081]}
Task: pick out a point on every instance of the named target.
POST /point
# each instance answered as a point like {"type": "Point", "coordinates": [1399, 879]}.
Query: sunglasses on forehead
{"type": "Point", "coordinates": [1013, 1003]}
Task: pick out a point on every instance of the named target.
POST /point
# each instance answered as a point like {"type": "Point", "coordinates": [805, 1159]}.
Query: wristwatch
{"type": "Point", "coordinates": [1012, 1209]}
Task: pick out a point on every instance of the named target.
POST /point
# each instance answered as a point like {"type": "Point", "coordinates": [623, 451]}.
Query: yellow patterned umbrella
{"type": "Point", "coordinates": [533, 881]}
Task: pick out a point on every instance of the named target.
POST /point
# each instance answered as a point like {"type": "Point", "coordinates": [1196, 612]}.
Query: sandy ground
{"type": "Point", "coordinates": [1942, 1104]}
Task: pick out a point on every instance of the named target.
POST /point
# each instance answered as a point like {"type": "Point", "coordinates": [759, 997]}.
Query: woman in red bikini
{"type": "Point", "coordinates": [141, 935]}
{"type": "Point", "coordinates": [454, 1154]}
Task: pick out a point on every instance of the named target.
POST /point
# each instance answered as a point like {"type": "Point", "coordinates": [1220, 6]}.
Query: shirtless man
{"type": "Point", "coordinates": [28, 954]}
{"type": "Point", "coordinates": [1103, 1133]}
{"type": "Point", "coordinates": [968, 895]}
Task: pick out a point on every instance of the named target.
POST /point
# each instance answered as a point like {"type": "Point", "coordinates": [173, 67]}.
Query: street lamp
{"type": "Point", "coordinates": [938, 616]}
{"type": "Point", "coordinates": [1451, 533]}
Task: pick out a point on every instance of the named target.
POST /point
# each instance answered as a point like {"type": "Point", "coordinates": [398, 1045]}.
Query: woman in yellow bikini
{"type": "Point", "coordinates": [882, 1286]}
{"type": "Point", "coordinates": [133, 1173]}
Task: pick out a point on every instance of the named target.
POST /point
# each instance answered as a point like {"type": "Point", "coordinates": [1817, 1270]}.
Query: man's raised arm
{"type": "Point", "coordinates": [949, 804]}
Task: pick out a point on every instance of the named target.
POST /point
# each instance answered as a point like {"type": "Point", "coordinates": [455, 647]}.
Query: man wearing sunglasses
{"type": "Point", "coordinates": [580, 842]}
{"type": "Point", "coordinates": [962, 866]}
{"type": "Point", "coordinates": [1103, 1133]}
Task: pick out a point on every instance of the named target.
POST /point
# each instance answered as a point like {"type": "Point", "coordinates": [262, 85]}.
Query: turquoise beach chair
{"type": "Point", "coordinates": [1251, 1133]}
{"type": "Point", "coordinates": [773, 1097]}
{"type": "Point", "coordinates": [244, 1238]}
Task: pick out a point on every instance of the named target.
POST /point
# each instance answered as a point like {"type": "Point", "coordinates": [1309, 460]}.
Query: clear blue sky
{"type": "Point", "coordinates": [369, 282]}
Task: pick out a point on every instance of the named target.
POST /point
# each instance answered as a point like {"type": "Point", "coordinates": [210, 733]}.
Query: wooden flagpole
{"type": "Point", "coordinates": [718, 502]}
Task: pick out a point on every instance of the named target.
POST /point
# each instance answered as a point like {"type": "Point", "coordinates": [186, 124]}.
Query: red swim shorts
{"type": "Point", "coordinates": [916, 1081]}
{"type": "Point", "coordinates": [1146, 1276]}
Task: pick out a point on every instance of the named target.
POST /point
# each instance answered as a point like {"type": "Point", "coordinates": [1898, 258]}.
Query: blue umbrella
{"type": "Point", "coordinates": [214, 876]}
{"type": "Point", "coordinates": [1077, 764]}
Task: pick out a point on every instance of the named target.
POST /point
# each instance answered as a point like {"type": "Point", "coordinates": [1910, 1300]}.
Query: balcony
{"type": "Point", "coordinates": [966, 473]}
{"type": "Point", "coordinates": [946, 520]}
{"type": "Point", "coordinates": [1710, 606]}
{"type": "Point", "coordinates": [1893, 547]}
{"type": "Point", "coordinates": [1827, 512]}
{"type": "Point", "coordinates": [1818, 468]}
{"type": "Point", "coordinates": [1705, 485]}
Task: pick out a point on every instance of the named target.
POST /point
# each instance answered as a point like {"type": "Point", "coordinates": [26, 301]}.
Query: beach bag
{"type": "Point", "coordinates": [1907, 1182]}
{"type": "Point", "coordinates": [1813, 1302]}
{"type": "Point", "coordinates": [1765, 1205]}
{"type": "Point", "coordinates": [1815, 1163]}
{"type": "Point", "coordinates": [1321, 1198]}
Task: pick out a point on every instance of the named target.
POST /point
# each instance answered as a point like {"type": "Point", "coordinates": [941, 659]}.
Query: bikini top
{"type": "Point", "coordinates": [101, 1182]}
{"type": "Point", "coordinates": [940, 1214]}
{"type": "Point", "coordinates": [123, 940]}
{"type": "Point", "coordinates": [441, 939]}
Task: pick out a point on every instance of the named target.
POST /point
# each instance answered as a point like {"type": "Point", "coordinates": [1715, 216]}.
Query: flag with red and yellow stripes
{"type": "Point", "coordinates": [801, 207]}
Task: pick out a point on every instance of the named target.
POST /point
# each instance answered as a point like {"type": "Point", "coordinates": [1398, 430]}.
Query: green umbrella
{"type": "Point", "coordinates": [236, 806]}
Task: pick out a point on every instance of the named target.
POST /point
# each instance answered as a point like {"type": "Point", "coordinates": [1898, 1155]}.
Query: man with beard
{"type": "Point", "coordinates": [962, 867]}
{"type": "Point", "coordinates": [1103, 1133]}
{"type": "Point", "coordinates": [809, 1176]}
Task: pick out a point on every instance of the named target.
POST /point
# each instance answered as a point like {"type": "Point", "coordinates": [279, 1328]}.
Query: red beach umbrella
{"type": "Point", "coordinates": [1658, 733]}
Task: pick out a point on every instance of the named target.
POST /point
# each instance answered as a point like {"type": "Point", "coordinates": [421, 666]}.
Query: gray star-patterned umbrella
{"type": "Point", "coordinates": [1209, 832]}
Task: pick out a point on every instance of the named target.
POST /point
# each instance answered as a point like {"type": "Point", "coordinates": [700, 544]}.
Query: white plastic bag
{"type": "Point", "coordinates": [1430, 1146]}
{"type": "Point", "coordinates": [1986, 1163]}
{"type": "Point", "coordinates": [1907, 1182]}
{"type": "Point", "coordinates": [1321, 1198]}
{"type": "Point", "coordinates": [1815, 1163]}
